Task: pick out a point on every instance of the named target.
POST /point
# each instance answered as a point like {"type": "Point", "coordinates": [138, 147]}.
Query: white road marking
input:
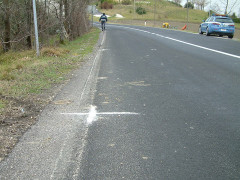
{"type": "Point", "coordinates": [92, 114]}
{"type": "Point", "coordinates": [102, 113]}
{"type": "Point", "coordinates": [184, 42]}
{"type": "Point", "coordinates": [86, 132]}
{"type": "Point", "coordinates": [105, 49]}
{"type": "Point", "coordinates": [58, 159]}
{"type": "Point", "coordinates": [102, 78]}
{"type": "Point", "coordinates": [90, 74]}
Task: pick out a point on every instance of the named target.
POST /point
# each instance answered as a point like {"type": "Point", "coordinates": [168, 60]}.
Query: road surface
{"type": "Point", "coordinates": [151, 104]}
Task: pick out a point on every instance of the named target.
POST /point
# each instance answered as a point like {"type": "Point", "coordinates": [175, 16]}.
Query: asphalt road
{"type": "Point", "coordinates": [188, 102]}
{"type": "Point", "coordinates": [156, 104]}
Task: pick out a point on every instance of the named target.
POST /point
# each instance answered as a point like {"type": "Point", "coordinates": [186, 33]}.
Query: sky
{"type": "Point", "coordinates": [236, 8]}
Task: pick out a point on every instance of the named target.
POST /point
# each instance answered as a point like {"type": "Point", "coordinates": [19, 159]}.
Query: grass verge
{"type": "Point", "coordinates": [2, 105]}
{"type": "Point", "coordinates": [26, 84]}
{"type": "Point", "coordinates": [22, 74]}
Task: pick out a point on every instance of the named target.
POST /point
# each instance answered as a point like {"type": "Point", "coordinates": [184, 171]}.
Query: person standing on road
{"type": "Point", "coordinates": [103, 20]}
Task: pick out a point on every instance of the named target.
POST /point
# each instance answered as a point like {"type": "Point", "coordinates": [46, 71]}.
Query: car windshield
{"type": "Point", "coordinates": [224, 20]}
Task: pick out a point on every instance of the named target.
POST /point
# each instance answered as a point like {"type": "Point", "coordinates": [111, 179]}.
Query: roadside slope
{"type": "Point", "coordinates": [34, 84]}
{"type": "Point", "coordinates": [43, 152]}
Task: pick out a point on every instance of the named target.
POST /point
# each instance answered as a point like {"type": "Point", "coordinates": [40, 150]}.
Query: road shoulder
{"type": "Point", "coordinates": [46, 150]}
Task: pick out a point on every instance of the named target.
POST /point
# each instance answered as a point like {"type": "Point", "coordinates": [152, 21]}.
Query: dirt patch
{"type": "Point", "coordinates": [19, 115]}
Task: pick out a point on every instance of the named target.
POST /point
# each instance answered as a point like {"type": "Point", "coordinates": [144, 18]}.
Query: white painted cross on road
{"type": "Point", "coordinates": [92, 114]}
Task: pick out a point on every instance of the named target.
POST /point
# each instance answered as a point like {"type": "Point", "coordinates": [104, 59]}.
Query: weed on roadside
{"type": "Point", "coordinates": [23, 74]}
{"type": "Point", "coordinates": [2, 105]}
{"type": "Point", "coordinates": [26, 84]}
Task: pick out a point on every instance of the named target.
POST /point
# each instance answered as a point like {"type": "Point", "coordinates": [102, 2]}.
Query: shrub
{"type": "Point", "coordinates": [236, 20]}
{"type": "Point", "coordinates": [106, 5]}
{"type": "Point", "coordinates": [176, 4]}
{"type": "Point", "coordinates": [189, 5]}
{"type": "Point", "coordinates": [7, 76]}
{"type": "Point", "coordinates": [56, 52]}
{"type": "Point", "coordinates": [126, 2]}
{"type": "Point", "coordinates": [141, 11]}
{"type": "Point", "coordinates": [19, 66]}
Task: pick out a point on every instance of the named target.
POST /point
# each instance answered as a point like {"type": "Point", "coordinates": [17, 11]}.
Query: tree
{"type": "Point", "coordinates": [7, 26]}
{"type": "Point", "coordinates": [66, 12]}
{"type": "Point", "coordinates": [216, 8]}
{"type": "Point", "coordinates": [61, 21]}
{"type": "Point", "coordinates": [16, 21]}
{"type": "Point", "coordinates": [235, 18]}
{"type": "Point", "coordinates": [189, 5]}
{"type": "Point", "coordinates": [228, 5]}
{"type": "Point", "coordinates": [28, 5]}
{"type": "Point", "coordinates": [177, 1]}
{"type": "Point", "coordinates": [200, 4]}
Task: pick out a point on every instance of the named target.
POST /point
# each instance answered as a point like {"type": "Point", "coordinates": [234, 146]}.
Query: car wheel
{"type": "Point", "coordinates": [207, 32]}
{"type": "Point", "coordinates": [230, 36]}
{"type": "Point", "coordinates": [200, 30]}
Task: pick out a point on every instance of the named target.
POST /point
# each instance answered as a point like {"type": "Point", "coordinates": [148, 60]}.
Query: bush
{"type": "Point", "coordinates": [7, 76]}
{"type": "Point", "coordinates": [189, 5]}
{"type": "Point", "coordinates": [236, 20]}
{"type": "Point", "coordinates": [106, 5]}
{"type": "Point", "coordinates": [176, 4]}
{"type": "Point", "coordinates": [126, 2]}
{"type": "Point", "coordinates": [141, 11]}
{"type": "Point", "coordinates": [53, 51]}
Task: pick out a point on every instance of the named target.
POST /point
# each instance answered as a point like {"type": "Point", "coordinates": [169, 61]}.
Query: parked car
{"type": "Point", "coordinates": [221, 25]}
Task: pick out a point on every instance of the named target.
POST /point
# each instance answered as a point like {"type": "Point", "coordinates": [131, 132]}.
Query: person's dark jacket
{"type": "Point", "coordinates": [103, 18]}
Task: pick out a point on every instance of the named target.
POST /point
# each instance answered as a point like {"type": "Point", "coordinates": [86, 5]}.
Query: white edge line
{"type": "Point", "coordinates": [103, 113]}
{"type": "Point", "coordinates": [58, 159]}
{"type": "Point", "coordinates": [90, 74]}
{"type": "Point", "coordinates": [118, 113]}
{"type": "Point", "coordinates": [198, 46]}
{"type": "Point", "coordinates": [84, 88]}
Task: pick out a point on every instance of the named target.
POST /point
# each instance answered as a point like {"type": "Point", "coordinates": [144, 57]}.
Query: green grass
{"type": "Point", "coordinates": [165, 11]}
{"type": "Point", "coordinates": [2, 105]}
{"type": "Point", "coordinates": [23, 74]}
{"type": "Point", "coordinates": [237, 25]}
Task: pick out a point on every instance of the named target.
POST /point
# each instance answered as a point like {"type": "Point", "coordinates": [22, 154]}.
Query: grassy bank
{"type": "Point", "coordinates": [165, 12]}
{"type": "Point", "coordinates": [23, 75]}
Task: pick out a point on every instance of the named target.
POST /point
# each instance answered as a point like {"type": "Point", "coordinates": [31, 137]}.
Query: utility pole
{"type": "Point", "coordinates": [92, 15]}
{"type": "Point", "coordinates": [187, 11]}
{"type": "Point", "coordinates": [36, 27]}
{"type": "Point", "coordinates": [154, 12]}
{"type": "Point", "coordinates": [210, 9]}
{"type": "Point", "coordinates": [134, 9]}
